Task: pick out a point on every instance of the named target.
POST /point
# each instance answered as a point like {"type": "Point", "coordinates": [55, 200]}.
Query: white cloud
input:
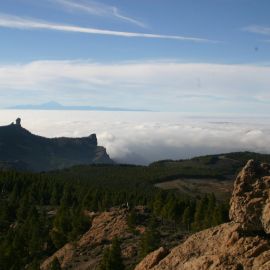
{"type": "Point", "coordinates": [151, 85]}
{"type": "Point", "coordinates": [15, 22]}
{"type": "Point", "coordinates": [144, 137]}
{"type": "Point", "coordinates": [257, 29]}
{"type": "Point", "coordinates": [98, 9]}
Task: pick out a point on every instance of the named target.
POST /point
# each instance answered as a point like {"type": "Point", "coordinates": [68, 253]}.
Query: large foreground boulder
{"type": "Point", "coordinates": [220, 248]}
{"type": "Point", "coordinates": [250, 204]}
{"type": "Point", "coordinates": [242, 244]}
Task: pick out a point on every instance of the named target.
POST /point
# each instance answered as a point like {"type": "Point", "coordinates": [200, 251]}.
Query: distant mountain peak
{"type": "Point", "coordinates": [53, 105]}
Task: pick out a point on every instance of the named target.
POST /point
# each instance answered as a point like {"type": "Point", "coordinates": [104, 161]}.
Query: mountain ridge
{"type": "Point", "coordinates": [18, 145]}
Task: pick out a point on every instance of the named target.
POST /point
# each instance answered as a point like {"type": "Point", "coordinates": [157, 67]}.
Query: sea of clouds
{"type": "Point", "coordinates": [144, 137]}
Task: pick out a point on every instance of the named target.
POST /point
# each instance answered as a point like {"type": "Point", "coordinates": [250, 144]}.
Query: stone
{"type": "Point", "coordinates": [218, 248]}
{"type": "Point", "coordinates": [249, 203]}
{"type": "Point", "coordinates": [152, 259]}
{"type": "Point", "coordinates": [64, 255]}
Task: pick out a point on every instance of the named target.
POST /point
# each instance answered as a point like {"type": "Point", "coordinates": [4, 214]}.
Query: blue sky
{"type": "Point", "coordinates": [194, 56]}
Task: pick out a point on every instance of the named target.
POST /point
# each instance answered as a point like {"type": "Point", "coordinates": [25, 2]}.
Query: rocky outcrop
{"type": "Point", "coordinates": [152, 259]}
{"type": "Point", "coordinates": [242, 244]}
{"type": "Point", "coordinates": [18, 145]}
{"type": "Point", "coordinates": [250, 205]}
{"type": "Point", "coordinates": [64, 255]}
{"type": "Point", "coordinates": [86, 253]}
{"type": "Point", "coordinates": [105, 227]}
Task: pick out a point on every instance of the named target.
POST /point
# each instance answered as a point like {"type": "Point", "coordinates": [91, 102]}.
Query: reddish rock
{"type": "Point", "coordinates": [152, 259]}
{"type": "Point", "coordinates": [239, 245]}
{"type": "Point", "coordinates": [64, 255]}
{"type": "Point", "coordinates": [250, 204]}
{"type": "Point", "coordinates": [105, 226]}
{"type": "Point", "coordinates": [218, 248]}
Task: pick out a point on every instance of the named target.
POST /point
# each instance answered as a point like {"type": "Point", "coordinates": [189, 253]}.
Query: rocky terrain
{"type": "Point", "coordinates": [22, 150]}
{"type": "Point", "coordinates": [243, 243]}
{"type": "Point", "coordinates": [87, 252]}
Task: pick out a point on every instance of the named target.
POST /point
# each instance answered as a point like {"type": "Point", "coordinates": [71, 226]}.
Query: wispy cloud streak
{"type": "Point", "coordinates": [257, 29]}
{"type": "Point", "coordinates": [98, 9]}
{"type": "Point", "coordinates": [16, 22]}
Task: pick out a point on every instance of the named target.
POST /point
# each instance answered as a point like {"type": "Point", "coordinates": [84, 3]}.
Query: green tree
{"type": "Point", "coordinates": [132, 219]}
{"type": "Point", "coordinates": [150, 240]}
{"type": "Point", "coordinates": [55, 265]}
{"type": "Point", "coordinates": [112, 257]}
{"type": "Point", "coordinates": [199, 217]}
{"type": "Point", "coordinates": [187, 219]}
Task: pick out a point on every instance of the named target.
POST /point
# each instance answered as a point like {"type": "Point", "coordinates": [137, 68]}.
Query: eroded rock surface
{"type": "Point", "coordinates": [152, 259]}
{"type": "Point", "coordinates": [242, 244]}
{"type": "Point", "coordinates": [87, 252]}
{"type": "Point", "coordinates": [250, 205]}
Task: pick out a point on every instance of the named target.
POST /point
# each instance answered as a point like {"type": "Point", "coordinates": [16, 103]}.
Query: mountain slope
{"type": "Point", "coordinates": [41, 154]}
{"type": "Point", "coordinates": [243, 243]}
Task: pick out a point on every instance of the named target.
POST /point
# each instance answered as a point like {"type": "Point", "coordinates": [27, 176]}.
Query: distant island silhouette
{"type": "Point", "coordinates": [52, 105]}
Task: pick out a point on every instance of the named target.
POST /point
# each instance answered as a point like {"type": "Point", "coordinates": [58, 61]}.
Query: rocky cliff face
{"type": "Point", "coordinates": [242, 244]}
{"type": "Point", "coordinates": [19, 146]}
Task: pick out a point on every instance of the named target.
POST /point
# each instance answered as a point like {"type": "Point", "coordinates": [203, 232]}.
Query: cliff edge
{"type": "Point", "coordinates": [19, 146]}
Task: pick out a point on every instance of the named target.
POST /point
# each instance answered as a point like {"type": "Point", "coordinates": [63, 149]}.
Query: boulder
{"type": "Point", "coordinates": [250, 205]}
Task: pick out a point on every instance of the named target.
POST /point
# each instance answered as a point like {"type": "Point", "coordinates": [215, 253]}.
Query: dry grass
{"type": "Point", "coordinates": [198, 187]}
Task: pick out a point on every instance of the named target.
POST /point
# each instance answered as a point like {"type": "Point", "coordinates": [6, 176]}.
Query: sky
{"type": "Point", "coordinates": [192, 56]}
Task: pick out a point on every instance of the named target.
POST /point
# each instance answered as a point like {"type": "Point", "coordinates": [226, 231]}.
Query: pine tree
{"type": "Point", "coordinates": [132, 219]}
{"type": "Point", "coordinates": [199, 217]}
{"type": "Point", "coordinates": [105, 260]}
{"type": "Point", "coordinates": [112, 257]}
{"type": "Point", "coordinates": [209, 213]}
{"type": "Point", "coordinates": [55, 265]}
{"type": "Point", "coordinates": [186, 219]}
{"type": "Point", "coordinates": [150, 240]}
{"type": "Point", "coordinates": [115, 258]}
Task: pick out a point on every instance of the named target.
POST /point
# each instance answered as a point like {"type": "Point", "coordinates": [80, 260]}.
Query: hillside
{"type": "Point", "coordinates": [242, 243]}
{"type": "Point", "coordinates": [47, 214]}
{"type": "Point", "coordinates": [193, 177]}
{"type": "Point", "coordinates": [18, 146]}
{"type": "Point", "coordinates": [51, 214]}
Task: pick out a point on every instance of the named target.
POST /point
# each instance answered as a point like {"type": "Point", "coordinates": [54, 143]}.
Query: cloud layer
{"type": "Point", "coordinates": [157, 85]}
{"type": "Point", "coordinates": [143, 137]}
